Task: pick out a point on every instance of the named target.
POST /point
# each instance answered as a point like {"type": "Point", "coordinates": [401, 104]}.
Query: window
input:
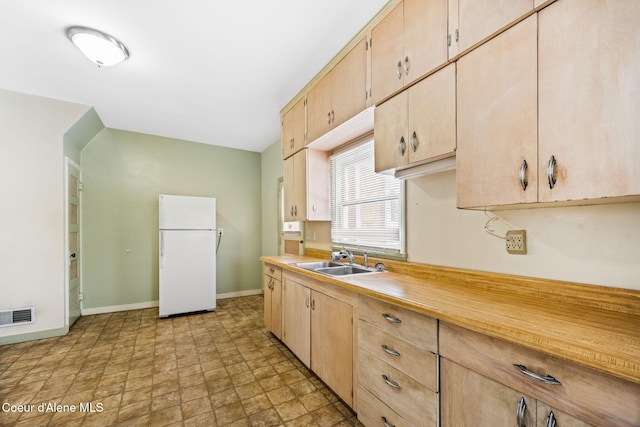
{"type": "Point", "coordinates": [367, 209]}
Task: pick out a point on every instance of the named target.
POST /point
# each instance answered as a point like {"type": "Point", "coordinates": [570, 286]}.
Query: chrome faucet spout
{"type": "Point", "coordinates": [348, 254]}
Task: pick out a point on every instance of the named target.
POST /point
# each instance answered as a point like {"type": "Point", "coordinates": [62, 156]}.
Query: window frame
{"type": "Point", "coordinates": [399, 254]}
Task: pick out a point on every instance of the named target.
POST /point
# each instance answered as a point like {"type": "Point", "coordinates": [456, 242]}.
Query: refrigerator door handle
{"type": "Point", "coordinates": [162, 249]}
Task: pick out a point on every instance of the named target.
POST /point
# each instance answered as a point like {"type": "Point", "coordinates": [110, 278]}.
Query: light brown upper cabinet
{"type": "Point", "coordinates": [306, 186]}
{"type": "Point", "coordinates": [472, 22]}
{"type": "Point", "coordinates": [589, 86]}
{"type": "Point", "coordinates": [339, 95]}
{"type": "Point", "coordinates": [417, 125]}
{"type": "Point", "coordinates": [497, 120]}
{"type": "Point", "coordinates": [406, 44]}
{"type": "Point", "coordinates": [293, 129]}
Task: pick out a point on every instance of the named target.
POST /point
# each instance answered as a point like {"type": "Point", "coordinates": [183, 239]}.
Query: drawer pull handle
{"type": "Point", "coordinates": [390, 351]}
{"type": "Point", "coordinates": [551, 420]}
{"type": "Point", "coordinates": [386, 424]}
{"type": "Point", "coordinates": [522, 406]}
{"type": "Point", "coordinates": [389, 382]}
{"type": "Point", "coordinates": [548, 379]}
{"type": "Point", "coordinates": [391, 318]}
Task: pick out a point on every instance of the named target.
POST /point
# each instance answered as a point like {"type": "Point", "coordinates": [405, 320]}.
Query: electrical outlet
{"type": "Point", "coordinates": [517, 242]}
{"type": "Point", "coordinates": [220, 231]}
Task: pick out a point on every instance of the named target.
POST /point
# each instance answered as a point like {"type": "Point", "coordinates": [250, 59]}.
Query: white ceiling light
{"type": "Point", "coordinates": [99, 47]}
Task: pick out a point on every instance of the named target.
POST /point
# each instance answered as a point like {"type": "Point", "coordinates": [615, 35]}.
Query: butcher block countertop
{"type": "Point", "coordinates": [593, 326]}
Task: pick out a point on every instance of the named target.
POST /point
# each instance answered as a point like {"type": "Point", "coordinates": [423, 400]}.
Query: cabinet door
{"type": "Point", "coordinates": [390, 131]}
{"type": "Point", "coordinates": [276, 308]}
{"type": "Point", "coordinates": [497, 119]}
{"type": "Point", "coordinates": [293, 129]}
{"type": "Point", "coordinates": [297, 321]}
{"type": "Point", "coordinates": [266, 288]}
{"type": "Point", "coordinates": [318, 186]}
{"type": "Point", "coordinates": [386, 55]}
{"type": "Point", "coordinates": [289, 193]}
{"type": "Point", "coordinates": [478, 20]}
{"type": "Point", "coordinates": [424, 37]}
{"type": "Point", "coordinates": [468, 399]}
{"type": "Point", "coordinates": [348, 80]}
{"type": "Point", "coordinates": [300, 185]}
{"type": "Point", "coordinates": [562, 419]}
{"type": "Point", "coordinates": [319, 113]}
{"type": "Point", "coordinates": [432, 116]}
{"type": "Point", "coordinates": [589, 86]}
{"type": "Point", "coordinates": [332, 343]}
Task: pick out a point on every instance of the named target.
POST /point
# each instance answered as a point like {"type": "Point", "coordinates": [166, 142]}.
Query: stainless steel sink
{"type": "Point", "coordinates": [331, 268]}
{"type": "Point", "coordinates": [344, 270]}
{"type": "Point", "coordinates": [314, 265]}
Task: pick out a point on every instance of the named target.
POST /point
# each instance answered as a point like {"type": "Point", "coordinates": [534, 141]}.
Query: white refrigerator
{"type": "Point", "coordinates": [187, 254]}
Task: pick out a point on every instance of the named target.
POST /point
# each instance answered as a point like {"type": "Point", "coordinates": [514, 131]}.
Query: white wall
{"type": "Point", "coordinates": [32, 208]}
{"type": "Point", "coordinates": [597, 245]}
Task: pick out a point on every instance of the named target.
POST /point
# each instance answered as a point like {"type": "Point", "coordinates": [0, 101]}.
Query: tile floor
{"type": "Point", "coordinates": [212, 369]}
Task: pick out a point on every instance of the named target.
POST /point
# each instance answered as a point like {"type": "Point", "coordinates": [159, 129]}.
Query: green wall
{"type": "Point", "coordinates": [271, 171]}
{"type": "Point", "coordinates": [79, 135]}
{"type": "Point", "coordinates": [123, 174]}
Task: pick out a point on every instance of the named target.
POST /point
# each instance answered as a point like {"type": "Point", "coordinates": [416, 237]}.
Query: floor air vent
{"type": "Point", "coordinates": [17, 317]}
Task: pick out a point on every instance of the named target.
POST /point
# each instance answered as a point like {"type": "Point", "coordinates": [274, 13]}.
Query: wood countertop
{"type": "Point", "coordinates": [592, 326]}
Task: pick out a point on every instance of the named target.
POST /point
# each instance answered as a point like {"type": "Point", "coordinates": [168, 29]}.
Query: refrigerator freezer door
{"type": "Point", "coordinates": [187, 213]}
{"type": "Point", "coordinates": [187, 271]}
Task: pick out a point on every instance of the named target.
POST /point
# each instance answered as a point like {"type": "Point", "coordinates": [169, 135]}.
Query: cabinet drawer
{"type": "Point", "coordinates": [410, 399]}
{"type": "Point", "coordinates": [372, 412]}
{"type": "Point", "coordinates": [595, 397]}
{"type": "Point", "coordinates": [416, 362]}
{"type": "Point", "coordinates": [402, 323]}
{"type": "Point", "coordinates": [272, 270]}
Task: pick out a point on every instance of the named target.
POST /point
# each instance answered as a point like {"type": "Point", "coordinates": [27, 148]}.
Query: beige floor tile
{"type": "Point", "coordinates": [213, 369]}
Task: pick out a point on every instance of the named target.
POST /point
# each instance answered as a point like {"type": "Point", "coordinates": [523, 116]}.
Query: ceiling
{"type": "Point", "coordinates": [215, 72]}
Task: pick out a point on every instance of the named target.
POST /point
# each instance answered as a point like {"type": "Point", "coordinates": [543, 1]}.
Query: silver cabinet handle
{"type": "Point", "coordinates": [329, 118]}
{"type": "Point", "coordinates": [523, 175]}
{"type": "Point", "coordinates": [391, 318]}
{"type": "Point", "coordinates": [406, 65]}
{"type": "Point", "coordinates": [333, 116]}
{"type": "Point", "coordinates": [271, 283]}
{"type": "Point", "coordinates": [292, 143]}
{"type": "Point", "coordinates": [306, 302]}
{"type": "Point", "coordinates": [551, 171]}
{"type": "Point", "coordinates": [402, 146]}
{"type": "Point", "coordinates": [313, 304]}
{"type": "Point", "coordinates": [399, 70]}
{"type": "Point", "coordinates": [522, 406]}
{"type": "Point", "coordinates": [414, 142]}
{"type": "Point", "coordinates": [389, 382]}
{"type": "Point", "coordinates": [551, 420]}
{"type": "Point", "coordinates": [547, 379]}
{"type": "Point", "coordinates": [390, 351]}
{"type": "Point", "coordinates": [385, 423]}
{"type": "Point", "coordinates": [272, 270]}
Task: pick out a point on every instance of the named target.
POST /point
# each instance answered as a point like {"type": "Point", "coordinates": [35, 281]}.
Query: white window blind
{"type": "Point", "coordinates": [366, 207]}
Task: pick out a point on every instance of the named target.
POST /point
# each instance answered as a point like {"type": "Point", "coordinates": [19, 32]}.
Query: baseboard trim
{"type": "Point", "coordinates": [239, 294]}
{"type": "Point", "coordinates": [116, 308]}
{"type": "Point", "coordinates": [30, 336]}
{"type": "Point", "coordinates": [152, 304]}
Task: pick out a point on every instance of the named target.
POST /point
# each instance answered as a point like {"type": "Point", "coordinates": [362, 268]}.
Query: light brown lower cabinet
{"type": "Point", "coordinates": [486, 381]}
{"type": "Point", "coordinates": [272, 288]}
{"type": "Point", "coordinates": [470, 399]}
{"type": "Point", "coordinates": [397, 366]}
{"type": "Point", "coordinates": [318, 329]}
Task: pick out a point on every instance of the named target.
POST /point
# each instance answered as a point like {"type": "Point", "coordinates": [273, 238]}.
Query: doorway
{"type": "Point", "coordinates": [73, 191]}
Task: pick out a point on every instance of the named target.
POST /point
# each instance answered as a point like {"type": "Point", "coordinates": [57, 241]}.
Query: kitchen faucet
{"type": "Point", "coordinates": [344, 253]}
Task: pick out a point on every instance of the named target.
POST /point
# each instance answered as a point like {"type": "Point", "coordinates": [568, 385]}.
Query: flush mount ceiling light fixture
{"type": "Point", "coordinates": [99, 47]}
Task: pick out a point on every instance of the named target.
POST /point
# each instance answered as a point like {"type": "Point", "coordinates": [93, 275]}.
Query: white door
{"type": "Point", "coordinates": [73, 187]}
{"type": "Point", "coordinates": [187, 271]}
